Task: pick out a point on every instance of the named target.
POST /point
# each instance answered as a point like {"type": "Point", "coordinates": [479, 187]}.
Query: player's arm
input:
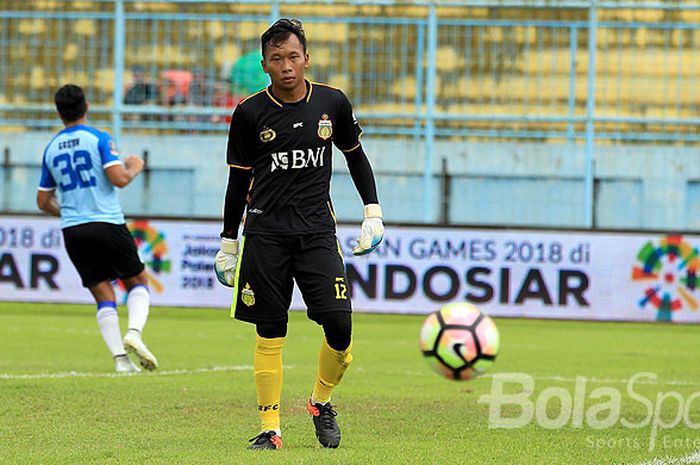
{"type": "Point", "coordinates": [46, 195]}
{"type": "Point", "coordinates": [235, 201]}
{"type": "Point", "coordinates": [122, 174]}
{"type": "Point", "coordinates": [119, 172]}
{"type": "Point", "coordinates": [240, 175]}
{"type": "Point", "coordinates": [47, 202]}
{"type": "Point", "coordinates": [362, 176]}
{"type": "Point", "coordinates": [234, 206]}
{"type": "Point", "coordinates": [348, 141]}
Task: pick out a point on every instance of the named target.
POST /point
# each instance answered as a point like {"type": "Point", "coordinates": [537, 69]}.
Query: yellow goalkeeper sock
{"type": "Point", "coordinates": [267, 365]}
{"type": "Point", "coordinates": [331, 368]}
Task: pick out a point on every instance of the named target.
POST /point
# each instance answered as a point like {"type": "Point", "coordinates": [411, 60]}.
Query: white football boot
{"type": "Point", "coordinates": [133, 344]}
{"type": "Point", "coordinates": [123, 364]}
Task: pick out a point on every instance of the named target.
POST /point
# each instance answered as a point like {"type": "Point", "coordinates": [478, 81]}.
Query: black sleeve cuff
{"type": "Point", "coordinates": [362, 175]}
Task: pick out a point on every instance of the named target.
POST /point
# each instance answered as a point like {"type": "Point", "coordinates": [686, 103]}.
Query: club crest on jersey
{"type": "Point", "coordinates": [113, 148]}
{"type": "Point", "coordinates": [325, 127]}
{"type": "Point", "coordinates": [267, 135]}
{"type": "Point", "coordinates": [248, 296]}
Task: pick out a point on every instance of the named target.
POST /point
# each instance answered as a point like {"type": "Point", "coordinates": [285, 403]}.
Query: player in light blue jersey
{"type": "Point", "coordinates": [83, 165]}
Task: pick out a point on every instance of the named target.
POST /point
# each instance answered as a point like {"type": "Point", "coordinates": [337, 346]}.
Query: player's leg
{"type": "Point", "coordinates": [84, 245]}
{"type": "Point", "coordinates": [131, 271]}
{"type": "Point", "coordinates": [267, 368]}
{"type": "Point", "coordinates": [108, 322]}
{"type": "Point", "coordinates": [262, 295]}
{"type": "Point", "coordinates": [335, 354]}
{"type": "Point", "coordinates": [138, 303]}
{"type": "Point", "coordinates": [334, 358]}
{"type": "Point", "coordinates": [320, 274]}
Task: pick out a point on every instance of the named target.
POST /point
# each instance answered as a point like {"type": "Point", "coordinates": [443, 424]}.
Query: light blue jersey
{"type": "Point", "coordinates": [75, 162]}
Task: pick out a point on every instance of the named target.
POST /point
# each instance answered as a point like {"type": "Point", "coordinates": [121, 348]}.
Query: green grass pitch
{"type": "Point", "coordinates": [60, 403]}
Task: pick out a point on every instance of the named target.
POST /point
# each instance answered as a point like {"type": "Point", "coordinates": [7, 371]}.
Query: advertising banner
{"type": "Point", "coordinates": [515, 273]}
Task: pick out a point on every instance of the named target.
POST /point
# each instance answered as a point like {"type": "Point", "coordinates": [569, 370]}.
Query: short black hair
{"type": "Point", "coordinates": [70, 103]}
{"type": "Point", "coordinates": [280, 31]}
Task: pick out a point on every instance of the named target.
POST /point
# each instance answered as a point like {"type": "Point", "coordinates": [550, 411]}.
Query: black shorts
{"type": "Point", "coordinates": [102, 252]}
{"type": "Point", "coordinates": [268, 267]}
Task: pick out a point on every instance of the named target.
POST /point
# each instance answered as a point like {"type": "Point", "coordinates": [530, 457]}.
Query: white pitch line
{"type": "Point", "coordinates": [176, 372]}
{"type": "Point", "coordinates": [687, 460]}
{"type": "Point", "coordinates": [561, 379]}
{"type": "Point", "coordinates": [77, 374]}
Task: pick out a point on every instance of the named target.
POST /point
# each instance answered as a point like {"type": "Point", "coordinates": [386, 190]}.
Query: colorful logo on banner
{"type": "Point", "coordinates": [671, 269]}
{"type": "Point", "coordinates": [153, 250]}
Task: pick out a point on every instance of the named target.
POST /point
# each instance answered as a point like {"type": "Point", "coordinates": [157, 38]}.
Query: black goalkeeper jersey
{"type": "Point", "coordinates": [288, 148]}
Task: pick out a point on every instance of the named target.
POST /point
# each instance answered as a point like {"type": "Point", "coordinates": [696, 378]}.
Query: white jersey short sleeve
{"type": "Point", "coordinates": [74, 163]}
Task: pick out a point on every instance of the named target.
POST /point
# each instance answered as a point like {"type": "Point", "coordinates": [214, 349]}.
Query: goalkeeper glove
{"type": "Point", "coordinates": [372, 230]}
{"type": "Point", "coordinates": [226, 261]}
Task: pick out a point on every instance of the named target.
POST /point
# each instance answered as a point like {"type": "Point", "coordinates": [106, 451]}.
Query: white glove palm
{"type": "Point", "coordinates": [226, 261]}
{"type": "Point", "coordinates": [372, 231]}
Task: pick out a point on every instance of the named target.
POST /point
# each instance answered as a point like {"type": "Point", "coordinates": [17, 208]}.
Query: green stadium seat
{"type": "Point", "coordinates": [648, 15]}
{"type": "Point", "coordinates": [248, 30]}
{"type": "Point", "coordinates": [525, 35]}
{"type": "Point", "coordinates": [70, 52]}
{"type": "Point", "coordinates": [689, 94]}
{"type": "Point", "coordinates": [342, 81]}
{"type": "Point", "coordinates": [320, 57]}
{"type": "Point", "coordinates": [553, 61]}
{"type": "Point", "coordinates": [666, 111]}
{"type": "Point", "coordinates": [31, 26]}
{"type": "Point", "coordinates": [335, 9]}
{"type": "Point", "coordinates": [326, 32]}
{"type": "Point", "coordinates": [649, 62]}
{"type": "Point", "coordinates": [646, 91]}
{"type": "Point", "coordinates": [448, 59]}
{"type": "Point", "coordinates": [77, 77]}
{"type": "Point", "coordinates": [535, 89]}
{"type": "Point", "coordinates": [226, 54]}
{"type": "Point", "coordinates": [85, 27]}
{"type": "Point", "coordinates": [83, 5]}
{"type": "Point", "coordinates": [215, 29]}
{"type": "Point", "coordinates": [156, 7]}
{"type": "Point", "coordinates": [641, 37]}
{"type": "Point", "coordinates": [390, 107]}
{"type": "Point", "coordinates": [104, 79]}
{"type": "Point", "coordinates": [45, 5]}
{"type": "Point", "coordinates": [477, 88]}
{"type": "Point", "coordinates": [691, 16]}
{"type": "Point", "coordinates": [38, 78]}
{"type": "Point", "coordinates": [678, 38]}
{"type": "Point", "coordinates": [18, 98]}
{"type": "Point", "coordinates": [404, 88]}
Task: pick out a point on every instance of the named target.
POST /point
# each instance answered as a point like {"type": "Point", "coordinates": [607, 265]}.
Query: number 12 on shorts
{"type": "Point", "coordinates": [341, 290]}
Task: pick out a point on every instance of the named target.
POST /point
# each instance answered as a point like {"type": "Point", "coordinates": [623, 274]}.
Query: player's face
{"type": "Point", "coordinates": [285, 62]}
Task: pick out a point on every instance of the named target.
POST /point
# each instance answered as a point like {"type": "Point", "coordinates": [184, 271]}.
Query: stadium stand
{"type": "Point", "coordinates": [647, 60]}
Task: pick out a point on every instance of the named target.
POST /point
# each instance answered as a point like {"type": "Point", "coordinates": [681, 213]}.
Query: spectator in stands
{"type": "Point", "coordinates": [202, 90]}
{"type": "Point", "coordinates": [247, 76]}
{"type": "Point", "coordinates": [140, 91]}
{"type": "Point", "coordinates": [174, 88]}
{"type": "Point", "coordinates": [223, 99]}
{"type": "Point", "coordinates": [201, 94]}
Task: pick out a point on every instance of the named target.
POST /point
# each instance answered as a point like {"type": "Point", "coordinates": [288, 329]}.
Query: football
{"type": "Point", "coordinates": [459, 341]}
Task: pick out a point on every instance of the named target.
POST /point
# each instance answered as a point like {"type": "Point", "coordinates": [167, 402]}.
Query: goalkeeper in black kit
{"type": "Point", "coordinates": [279, 156]}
